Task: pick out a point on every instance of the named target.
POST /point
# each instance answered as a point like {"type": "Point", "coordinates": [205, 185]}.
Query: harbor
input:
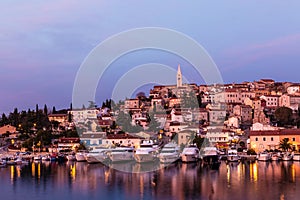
{"type": "Point", "coordinates": [77, 180]}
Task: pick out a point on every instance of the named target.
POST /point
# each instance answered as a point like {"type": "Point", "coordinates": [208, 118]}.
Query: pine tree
{"type": "Point", "coordinates": [45, 110]}
{"type": "Point", "coordinates": [53, 110]}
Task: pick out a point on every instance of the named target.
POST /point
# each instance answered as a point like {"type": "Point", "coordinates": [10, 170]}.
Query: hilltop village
{"type": "Point", "coordinates": [254, 115]}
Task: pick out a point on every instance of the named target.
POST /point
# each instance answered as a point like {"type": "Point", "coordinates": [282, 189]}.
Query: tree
{"type": "Point", "coordinates": [4, 120]}
{"type": "Point", "coordinates": [189, 100]}
{"type": "Point", "coordinates": [92, 104]}
{"type": "Point", "coordinates": [283, 116]}
{"type": "Point", "coordinates": [45, 110]}
{"type": "Point", "coordinates": [124, 121]}
{"type": "Point", "coordinates": [285, 145]}
{"type": "Point", "coordinates": [54, 110]}
{"type": "Point", "coordinates": [251, 152]}
{"type": "Point", "coordinates": [153, 125]}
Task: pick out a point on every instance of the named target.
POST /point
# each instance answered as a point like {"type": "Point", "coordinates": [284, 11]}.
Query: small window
{"type": "Point", "coordinates": [264, 139]}
{"type": "Point", "coordinates": [256, 139]}
{"type": "Point", "coordinates": [294, 139]}
{"type": "Point", "coordinates": [271, 138]}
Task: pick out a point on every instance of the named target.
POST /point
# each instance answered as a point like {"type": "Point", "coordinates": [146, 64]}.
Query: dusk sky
{"type": "Point", "coordinates": [43, 43]}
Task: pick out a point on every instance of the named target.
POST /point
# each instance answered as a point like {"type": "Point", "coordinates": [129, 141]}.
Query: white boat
{"type": "Point", "coordinates": [296, 157]}
{"type": "Point", "coordinates": [80, 156]}
{"type": "Point", "coordinates": [46, 158]}
{"type": "Point", "coordinates": [190, 154]}
{"type": "Point", "coordinates": [210, 155]}
{"type": "Point", "coordinates": [11, 161]}
{"type": "Point", "coordinates": [232, 155]}
{"type": "Point", "coordinates": [275, 157]}
{"type": "Point", "coordinates": [97, 156]}
{"type": "Point", "coordinates": [121, 154]}
{"type": "Point", "coordinates": [71, 157]}
{"type": "Point", "coordinates": [21, 161]}
{"type": "Point", "coordinates": [263, 156]}
{"type": "Point", "coordinates": [147, 152]}
{"type": "Point", "coordinates": [169, 153]}
{"type": "Point", "coordinates": [2, 163]}
{"type": "Point", "coordinates": [287, 156]}
{"type": "Point", "coordinates": [37, 158]}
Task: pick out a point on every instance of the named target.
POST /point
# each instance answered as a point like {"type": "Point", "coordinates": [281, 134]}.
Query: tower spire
{"type": "Point", "coordinates": [179, 76]}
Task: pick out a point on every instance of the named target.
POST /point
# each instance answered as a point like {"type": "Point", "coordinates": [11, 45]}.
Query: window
{"type": "Point", "coordinates": [264, 139]}
{"type": "Point", "coordinates": [294, 139]}
{"type": "Point", "coordinates": [256, 139]}
{"type": "Point", "coordinates": [271, 138]}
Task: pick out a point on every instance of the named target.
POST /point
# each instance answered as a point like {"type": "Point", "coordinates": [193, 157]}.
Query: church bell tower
{"type": "Point", "coordinates": [179, 77]}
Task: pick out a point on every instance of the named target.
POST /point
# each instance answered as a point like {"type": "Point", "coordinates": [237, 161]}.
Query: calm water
{"type": "Point", "coordinates": [71, 180]}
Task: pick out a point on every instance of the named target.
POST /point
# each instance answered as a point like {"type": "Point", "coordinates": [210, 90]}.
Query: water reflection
{"type": "Point", "coordinates": [244, 180]}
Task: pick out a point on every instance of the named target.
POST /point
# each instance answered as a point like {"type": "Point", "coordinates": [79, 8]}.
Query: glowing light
{"type": "Point", "coordinates": [33, 169]}
{"type": "Point", "coordinates": [253, 172]}
{"type": "Point", "coordinates": [73, 171]}
{"type": "Point", "coordinates": [12, 173]}
{"type": "Point", "coordinates": [293, 172]}
{"type": "Point", "coordinates": [39, 170]}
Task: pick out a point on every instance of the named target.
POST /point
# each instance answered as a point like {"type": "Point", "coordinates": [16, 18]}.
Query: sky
{"type": "Point", "coordinates": [44, 43]}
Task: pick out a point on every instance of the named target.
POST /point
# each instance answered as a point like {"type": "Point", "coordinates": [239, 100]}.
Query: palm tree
{"type": "Point", "coordinates": [285, 145]}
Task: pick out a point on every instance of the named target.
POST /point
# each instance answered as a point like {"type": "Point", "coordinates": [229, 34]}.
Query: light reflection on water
{"type": "Point", "coordinates": [71, 180]}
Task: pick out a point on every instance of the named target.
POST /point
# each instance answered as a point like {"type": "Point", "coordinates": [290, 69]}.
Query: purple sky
{"type": "Point", "coordinates": [43, 43]}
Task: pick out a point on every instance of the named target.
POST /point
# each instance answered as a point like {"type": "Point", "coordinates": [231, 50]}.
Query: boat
{"type": "Point", "coordinates": [296, 157]}
{"type": "Point", "coordinates": [61, 157]}
{"type": "Point", "coordinates": [169, 153]}
{"type": "Point", "coordinates": [147, 152]}
{"type": "Point", "coordinates": [2, 163]}
{"type": "Point", "coordinates": [37, 158]}
{"type": "Point", "coordinates": [53, 157]}
{"type": "Point", "coordinates": [80, 156]}
{"type": "Point", "coordinates": [97, 156]}
{"type": "Point", "coordinates": [210, 155]}
{"type": "Point", "coordinates": [287, 156]}
{"type": "Point", "coordinates": [11, 161]}
{"type": "Point", "coordinates": [71, 157]}
{"type": "Point", "coordinates": [21, 161]}
{"type": "Point", "coordinates": [275, 157]}
{"type": "Point", "coordinates": [120, 154]}
{"type": "Point", "coordinates": [46, 158]}
{"type": "Point", "coordinates": [232, 155]}
{"type": "Point", "coordinates": [190, 154]}
{"type": "Point", "coordinates": [263, 156]}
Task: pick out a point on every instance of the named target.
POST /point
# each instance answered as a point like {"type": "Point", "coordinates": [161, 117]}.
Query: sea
{"type": "Point", "coordinates": [80, 180]}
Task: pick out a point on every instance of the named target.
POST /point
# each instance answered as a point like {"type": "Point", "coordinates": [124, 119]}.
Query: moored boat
{"type": "Point", "coordinates": [46, 158]}
{"type": "Point", "coordinates": [210, 155]}
{"type": "Point", "coordinates": [71, 157]}
{"type": "Point", "coordinates": [37, 158]}
{"type": "Point", "coordinates": [80, 156]}
{"type": "Point", "coordinates": [287, 156]}
{"type": "Point", "coordinates": [97, 156]}
{"type": "Point", "coordinates": [264, 156]}
{"type": "Point", "coordinates": [147, 152]}
{"type": "Point", "coordinates": [232, 155]}
{"type": "Point", "coordinates": [296, 157]}
{"type": "Point", "coordinates": [275, 157]}
{"type": "Point", "coordinates": [121, 154]}
{"type": "Point", "coordinates": [169, 153]}
{"type": "Point", "coordinates": [190, 154]}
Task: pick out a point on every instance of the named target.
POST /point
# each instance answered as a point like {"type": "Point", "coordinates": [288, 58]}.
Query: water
{"type": "Point", "coordinates": [72, 180]}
